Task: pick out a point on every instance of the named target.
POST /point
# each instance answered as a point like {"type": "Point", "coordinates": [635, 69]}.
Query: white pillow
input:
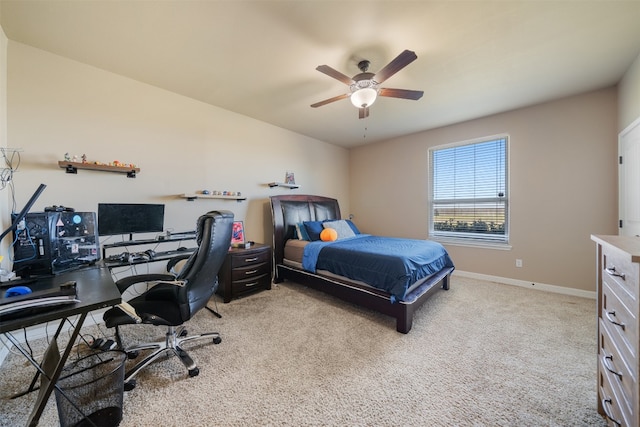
{"type": "Point", "coordinates": [342, 228]}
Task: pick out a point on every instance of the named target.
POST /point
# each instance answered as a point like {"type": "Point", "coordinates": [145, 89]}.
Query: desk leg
{"type": "Point", "coordinates": [45, 392]}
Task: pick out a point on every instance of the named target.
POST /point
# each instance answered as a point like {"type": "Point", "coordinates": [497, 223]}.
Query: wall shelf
{"type": "Point", "coordinates": [191, 197]}
{"type": "Point", "coordinates": [282, 184]}
{"type": "Point", "coordinates": [72, 167]}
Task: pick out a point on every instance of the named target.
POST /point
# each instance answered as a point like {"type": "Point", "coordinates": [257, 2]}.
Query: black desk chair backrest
{"type": "Point", "coordinates": [200, 272]}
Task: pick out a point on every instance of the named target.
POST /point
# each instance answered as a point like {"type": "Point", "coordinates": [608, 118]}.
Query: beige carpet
{"type": "Point", "coordinates": [480, 354]}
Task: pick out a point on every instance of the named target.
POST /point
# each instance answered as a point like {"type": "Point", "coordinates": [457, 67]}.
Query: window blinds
{"type": "Point", "coordinates": [469, 190]}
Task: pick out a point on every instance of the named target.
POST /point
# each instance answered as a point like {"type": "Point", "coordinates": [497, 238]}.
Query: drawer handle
{"type": "Point", "coordinates": [248, 285]}
{"type": "Point", "coordinates": [611, 318]}
{"type": "Point", "coordinates": [251, 259]}
{"type": "Point", "coordinates": [605, 405]}
{"type": "Point", "coordinates": [611, 271]}
{"type": "Point", "coordinates": [607, 361]}
{"type": "Point", "coordinates": [247, 273]}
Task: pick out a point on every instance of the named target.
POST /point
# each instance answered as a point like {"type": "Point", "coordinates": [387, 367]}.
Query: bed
{"type": "Point", "coordinates": [301, 261]}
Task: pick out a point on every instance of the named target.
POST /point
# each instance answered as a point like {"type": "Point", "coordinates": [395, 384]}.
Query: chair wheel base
{"type": "Point", "coordinates": [217, 340]}
{"type": "Point", "coordinates": [132, 354]}
{"type": "Point", "coordinates": [129, 385]}
{"type": "Point", "coordinates": [194, 372]}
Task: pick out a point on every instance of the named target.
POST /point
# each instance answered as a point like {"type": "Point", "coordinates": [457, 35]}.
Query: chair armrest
{"type": "Point", "coordinates": [129, 311]}
{"type": "Point", "coordinates": [126, 282]}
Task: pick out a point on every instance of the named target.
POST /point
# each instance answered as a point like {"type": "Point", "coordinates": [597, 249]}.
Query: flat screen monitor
{"type": "Point", "coordinates": [130, 218]}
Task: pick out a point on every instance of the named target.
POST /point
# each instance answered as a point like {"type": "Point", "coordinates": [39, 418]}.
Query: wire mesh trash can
{"type": "Point", "coordinates": [92, 390]}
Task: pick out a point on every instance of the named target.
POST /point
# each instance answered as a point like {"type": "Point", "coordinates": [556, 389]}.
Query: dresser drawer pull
{"type": "Point", "coordinates": [605, 405]}
{"type": "Point", "coordinates": [611, 318]}
{"type": "Point", "coordinates": [247, 273]}
{"type": "Point", "coordinates": [251, 259]}
{"type": "Point", "coordinates": [611, 271]}
{"type": "Point", "coordinates": [248, 285]}
{"type": "Point", "coordinates": [607, 361]}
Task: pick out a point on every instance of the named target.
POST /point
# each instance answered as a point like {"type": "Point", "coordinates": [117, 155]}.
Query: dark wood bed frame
{"type": "Point", "coordinates": [287, 211]}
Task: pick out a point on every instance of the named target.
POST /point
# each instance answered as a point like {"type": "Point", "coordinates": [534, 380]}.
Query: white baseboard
{"type": "Point", "coordinates": [42, 331]}
{"type": "Point", "coordinates": [525, 284]}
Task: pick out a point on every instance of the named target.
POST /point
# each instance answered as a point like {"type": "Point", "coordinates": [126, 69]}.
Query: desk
{"type": "Point", "coordinates": [95, 289]}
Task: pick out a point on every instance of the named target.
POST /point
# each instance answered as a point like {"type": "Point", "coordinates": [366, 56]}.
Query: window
{"type": "Point", "coordinates": [468, 192]}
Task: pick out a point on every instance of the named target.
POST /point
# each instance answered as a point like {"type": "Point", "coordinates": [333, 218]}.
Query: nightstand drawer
{"type": "Point", "coordinates": [620, 321]}
{"type": "Point", "coordinates": [259, 282]}
{"type": "Point", "coordinates": [243, 259]}
{"type": "Point", "coordinates": [247, 272]}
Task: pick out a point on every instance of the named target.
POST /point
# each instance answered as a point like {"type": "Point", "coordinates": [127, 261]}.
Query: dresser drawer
{"type": "Point", "coordinates": [610, 398]}
{"type": "Point", "coordinates": [618, 269]}
{"type": "Point", "coordinates": [616, 368]}
{"type": "Point", "coordinates": [248, 271]}
{"type": "Point", "coordinates": [243, 259]}
{"type": "Point", "coordinates": [621, 322]}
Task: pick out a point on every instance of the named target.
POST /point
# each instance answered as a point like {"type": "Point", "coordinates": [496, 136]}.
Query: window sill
{"type": "Point", "coordinates": [500, 246]}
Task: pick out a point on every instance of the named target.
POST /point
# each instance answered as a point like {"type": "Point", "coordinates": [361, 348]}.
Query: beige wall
{"type": "Point", "coordinates": [181, 145]}
{"type": "Point", "coordinates": [563, 177]}
{"type": "Point", "coordinates": [629, 96]}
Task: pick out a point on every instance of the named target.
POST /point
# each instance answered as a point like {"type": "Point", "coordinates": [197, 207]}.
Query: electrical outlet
{"type": "Point", "coordinates": [518, 263]}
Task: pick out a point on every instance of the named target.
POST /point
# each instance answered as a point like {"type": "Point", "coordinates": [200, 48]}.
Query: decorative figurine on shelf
{"type": "Point", "coordinates": [84, 158]}
{"type": "Point", "coordinates": [67, 157]}
{"type": "Point", "coordinates": [206, 192]}
{"type": "Point", "coordinates": [75, 159]}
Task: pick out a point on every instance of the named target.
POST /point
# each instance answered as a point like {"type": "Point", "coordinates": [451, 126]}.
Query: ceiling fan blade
{"type": "Point", "coordinates": [401, 93]}
{"type": "Point", "coordinates": [401, 61]}
{"type": "Point", "coordinates": [334, 73]}
{"type": "Point", "coordinates": [327, 101]}
{"type": "Point", "coordinates": [363, 113]}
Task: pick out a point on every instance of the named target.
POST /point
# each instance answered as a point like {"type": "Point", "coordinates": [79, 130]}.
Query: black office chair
{"type": "Point", "coordinates": [172, 300]}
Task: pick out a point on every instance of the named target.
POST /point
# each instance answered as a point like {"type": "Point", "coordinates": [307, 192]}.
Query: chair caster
{"type": "Point", "coordinates": [194, 372]}
{"type": "Point", "coordinates": [217, 340]}
{"type": "Point", "coordinates": [132, 354]}
{"type": "Point", "coordinates": [183, 333]}
{"type": "Point", "coordinates": [129, 385]}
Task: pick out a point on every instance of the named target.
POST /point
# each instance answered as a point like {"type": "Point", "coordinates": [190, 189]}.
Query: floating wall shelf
{"type": "Point", "coordinates": [282, 184]}
{"type": "Point", "coordinates": [192, 197]}
{"type": "Point", "coordinates": [72, 167]}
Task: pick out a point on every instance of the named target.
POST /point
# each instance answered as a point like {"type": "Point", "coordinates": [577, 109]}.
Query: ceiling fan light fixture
{"type": "Point", "coordinates": [364, 97]}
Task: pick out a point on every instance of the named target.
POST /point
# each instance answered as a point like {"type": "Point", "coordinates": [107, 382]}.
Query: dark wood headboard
{"type": "Point", "coordinates": [287, 211]}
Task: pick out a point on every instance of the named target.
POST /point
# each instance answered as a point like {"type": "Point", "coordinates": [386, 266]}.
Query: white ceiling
{"type": "Point", "coordinates": [258, 58]}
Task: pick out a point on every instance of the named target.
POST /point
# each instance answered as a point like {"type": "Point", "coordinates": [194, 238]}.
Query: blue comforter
{"type": "Point", "coordinates": [387, 263]}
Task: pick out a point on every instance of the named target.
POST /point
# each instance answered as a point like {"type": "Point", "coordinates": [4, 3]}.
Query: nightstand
{"type": "Point", "coordinates": [245, 271]}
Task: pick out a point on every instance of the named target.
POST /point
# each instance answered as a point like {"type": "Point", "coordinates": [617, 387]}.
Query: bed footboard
{"type": "Point", "coordinates": [402, 311]}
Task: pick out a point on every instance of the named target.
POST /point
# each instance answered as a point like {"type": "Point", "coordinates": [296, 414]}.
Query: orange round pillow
{"type": "Point", "coordinates": [328, 235]}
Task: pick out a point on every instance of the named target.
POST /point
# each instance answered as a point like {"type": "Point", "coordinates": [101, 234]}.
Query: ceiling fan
{"type": "Point", "coordinates": [364, 87]}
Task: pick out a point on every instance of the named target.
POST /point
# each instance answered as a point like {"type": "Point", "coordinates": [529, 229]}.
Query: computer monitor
{"type": "Point", "coordinates": [130, 218]}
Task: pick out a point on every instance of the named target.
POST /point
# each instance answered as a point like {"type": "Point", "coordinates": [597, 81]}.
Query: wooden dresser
{"type": "Point", "coordinates": [245, 271]}
{"type": "Point", "coordinates": [618, 310]}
